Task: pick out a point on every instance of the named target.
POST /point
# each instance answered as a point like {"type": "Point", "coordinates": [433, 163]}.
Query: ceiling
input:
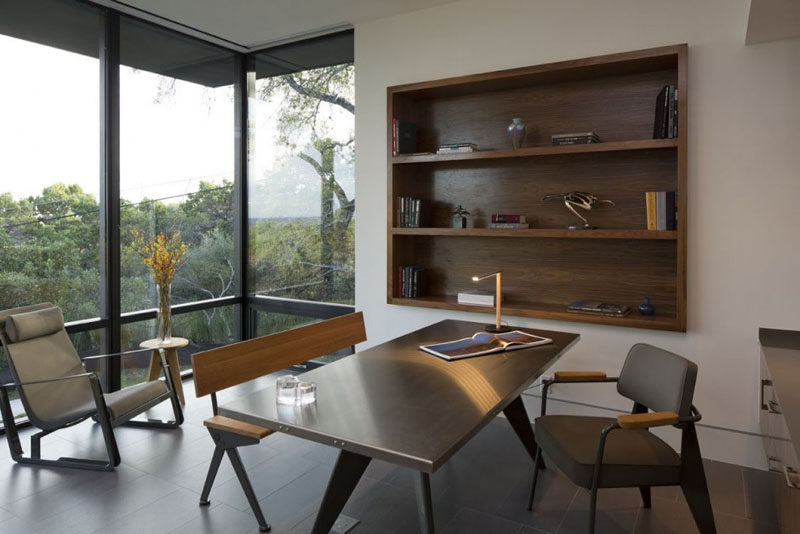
{"type": "Point", "coordinates": [258, 23]}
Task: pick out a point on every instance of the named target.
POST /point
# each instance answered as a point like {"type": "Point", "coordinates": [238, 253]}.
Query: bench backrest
{"type": "Point", "coordinates": [227, 366]}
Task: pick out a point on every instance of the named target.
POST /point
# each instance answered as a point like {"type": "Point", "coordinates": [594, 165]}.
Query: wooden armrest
{"type": "Point", "coordinates": [226, 424]}
{"type": "Point", "coordinates": [646, 420]}
{"type": "Point", "coordinates": [579, 376]}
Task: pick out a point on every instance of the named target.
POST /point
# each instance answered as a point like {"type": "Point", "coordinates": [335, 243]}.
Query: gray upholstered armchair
{"type": "Point", "coordinates": [57, 391]}
{"type": "Point", "coordinates": [604, 452]}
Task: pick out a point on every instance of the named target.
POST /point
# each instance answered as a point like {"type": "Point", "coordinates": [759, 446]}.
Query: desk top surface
{"type": "Point", "coordinates": [781, 349]}
{"type": "Point", "coordinates": [399, 404]}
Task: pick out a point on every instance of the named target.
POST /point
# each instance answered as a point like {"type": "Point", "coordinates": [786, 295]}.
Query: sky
{"type": "Point", "coordinates": [50, 132]}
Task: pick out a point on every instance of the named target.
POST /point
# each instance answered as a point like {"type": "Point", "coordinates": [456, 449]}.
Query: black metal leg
{"type": "Point", "coordinates": [346, 474]}
{"type": "Point", "coordinates": [536, 463]}
{"type": "Point", "coordinates": [592, 509]}
{"type": "Point", "coordinates": [518, 418]}
{"type": "Point", "coordinates": [645, 491]}
{"type": "Point", "coordinates": [241, 474]}
{"type": "Point", "coordinates": [693, 482]}
{"type": "Point", "coordinates": [422, 487]}
{"type": "Point", "coordinates": [212, 474]}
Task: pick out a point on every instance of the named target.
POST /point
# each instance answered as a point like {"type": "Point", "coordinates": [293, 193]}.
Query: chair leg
{"type": "Point", "coordinates": [536, 466]}
{"type": "Point", "coordinates": [241, 474]}
{"type": "Point", "coordinates": [693, 481]}
{"type": "Point", "coordinates": [645, 491]}
{"type": "Point", "coordinates": [219, 451]}
{"type": "Point", "coordinates": [592, 509]}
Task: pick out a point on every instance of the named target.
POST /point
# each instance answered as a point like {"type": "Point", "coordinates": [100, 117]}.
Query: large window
{"type": "Point", "coordinates": [301, 188]}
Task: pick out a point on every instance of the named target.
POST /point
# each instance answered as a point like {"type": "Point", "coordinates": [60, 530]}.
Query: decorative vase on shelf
{"type": "Point", "coordinates": [646, 308]}
{"type": "Point", "coordinates": [516, 131]}
{"type": "Point", "coordinates": [164, 317]}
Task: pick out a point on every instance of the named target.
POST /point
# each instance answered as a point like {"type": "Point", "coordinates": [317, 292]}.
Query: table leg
{"type": "Point", "coordinates": [422, 487]}
{"type": "Point", "coordinates": [154, 370]}
{"type": "Point", "coordinates": [346, 474]}
{"type": "Point", "coordinates": [518, 417]}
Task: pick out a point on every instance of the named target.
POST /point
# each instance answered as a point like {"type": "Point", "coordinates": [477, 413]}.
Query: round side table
{"type": "Point", "coordinates": [171, 353]}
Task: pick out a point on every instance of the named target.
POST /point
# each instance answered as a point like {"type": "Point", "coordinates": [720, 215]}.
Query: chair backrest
{"type": "Point", "coordinates": [227, 366]}
{"type": "Point", "coordinates": [39, 348]}
{"type": "Point", "coordinates": [658, 379]}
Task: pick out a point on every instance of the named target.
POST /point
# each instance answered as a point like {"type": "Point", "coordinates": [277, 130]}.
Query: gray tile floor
{"type": "Point", "coordinates": [483, 489]}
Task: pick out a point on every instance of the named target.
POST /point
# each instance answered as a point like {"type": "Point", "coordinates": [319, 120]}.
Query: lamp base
{"type": "Point", "coordinates": [494, 330]}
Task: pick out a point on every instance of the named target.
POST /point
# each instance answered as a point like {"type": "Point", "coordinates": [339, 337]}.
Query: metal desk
{"type": "Point", "coordinates": [395, 403]}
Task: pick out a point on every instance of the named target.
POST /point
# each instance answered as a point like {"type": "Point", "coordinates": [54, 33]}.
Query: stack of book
{"type": "Point", "coordinates": [408, 212]}
{"type": "Point", "coordinates": [457, 148]}
{"type": "Point", "coordinates": [599, 308]}
{"type": "Point", "coordinates": [502, 220]}
{"type": "Point", "coordinates": [581, 138]}
{"type": "Point", "coordinates": [665, 125]}
{"type": "Point", "coordinates": [409, 281]}
{"type": "Point", "coordinates": [476, 297]}
{"type": "Point", "coordinates": [662, 210]}
{"type": "Point", "coordinates": [404, 137]}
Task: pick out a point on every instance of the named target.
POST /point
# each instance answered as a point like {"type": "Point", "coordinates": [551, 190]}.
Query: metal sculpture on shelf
{"type": "Point", "coordinates": [581, 200]}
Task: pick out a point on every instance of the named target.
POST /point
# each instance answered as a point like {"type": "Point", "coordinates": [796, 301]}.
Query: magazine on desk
{"type": "Point", "coordinates": [484, 343]}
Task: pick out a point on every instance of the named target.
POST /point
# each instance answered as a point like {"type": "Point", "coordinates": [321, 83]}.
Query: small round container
{"type": "Point", "coordinates": [306, 393]}
{"type": "Point", "coordinates": [286, 387]}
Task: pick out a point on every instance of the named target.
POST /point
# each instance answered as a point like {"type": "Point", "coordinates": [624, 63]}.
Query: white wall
{"type": "Point", "coordinates": [744, 178]}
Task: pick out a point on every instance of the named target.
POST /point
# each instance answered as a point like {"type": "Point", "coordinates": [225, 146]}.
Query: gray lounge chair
{"type": "Point", "coordinates": [58, 392]}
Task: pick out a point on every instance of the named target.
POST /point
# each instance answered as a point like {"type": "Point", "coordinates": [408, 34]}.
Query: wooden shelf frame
{"type": "Point", "coordinates": [546, 267]}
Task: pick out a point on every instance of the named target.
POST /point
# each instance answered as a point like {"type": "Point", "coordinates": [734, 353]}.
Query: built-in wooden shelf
{"type": "Point", "coordinates": [544, 311]}
{"type": "Point", "coordinates": [528, 152]}
{"type": "Point", "coordinates": [557, 233]}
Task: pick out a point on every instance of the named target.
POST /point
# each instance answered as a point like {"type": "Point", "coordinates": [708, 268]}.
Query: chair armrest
{"type": "Point", "coordinates": [115, 354]}
{"type": "Point", "coordinates": [59, 379]}
{"type": "Point", "coordinates": [647, 420]}
{"type": "Point", "coordinates": [582, 376]}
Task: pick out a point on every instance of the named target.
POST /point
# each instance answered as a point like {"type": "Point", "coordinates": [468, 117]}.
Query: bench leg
{"type": "Point", "coordinates": [212, 474]}
{"type": "Point", "coordinates": [241, 474]}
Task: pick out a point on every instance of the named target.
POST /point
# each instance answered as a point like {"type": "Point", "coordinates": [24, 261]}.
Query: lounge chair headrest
{"type": "Point", "coordinates": [24, 326]}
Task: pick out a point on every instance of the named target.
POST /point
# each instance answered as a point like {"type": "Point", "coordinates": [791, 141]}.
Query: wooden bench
{"type": "Point", "coordinates": [231, 365]}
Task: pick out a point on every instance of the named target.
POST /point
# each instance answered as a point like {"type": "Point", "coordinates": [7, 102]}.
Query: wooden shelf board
{"type": "Point", "coordinates": [545, 311]}
{"type": "Point", "coordinates": [615, 146]}
{"type": "Point", "coordinates": [540, 233]}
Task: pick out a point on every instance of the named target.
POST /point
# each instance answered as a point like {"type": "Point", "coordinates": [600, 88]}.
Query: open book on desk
{"type": "Point", "coordinates": [484, 343]}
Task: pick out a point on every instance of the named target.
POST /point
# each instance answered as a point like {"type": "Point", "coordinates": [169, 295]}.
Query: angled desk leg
{"type": "Point", "coordinates": [422, 487]}
{"type": "Point", "coordinates": [518, 417]}
{"type": "Point", "coordinates": [346, 474]}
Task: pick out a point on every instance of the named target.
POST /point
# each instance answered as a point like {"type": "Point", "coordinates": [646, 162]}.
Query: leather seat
{"type": "Point", "coordinates": [631, 458]}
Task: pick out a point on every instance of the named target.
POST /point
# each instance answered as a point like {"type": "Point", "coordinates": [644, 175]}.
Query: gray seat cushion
{"type": "Point", "coordinates": [128, 402]}
{"type": "Point", "coordinates": [632, 457]}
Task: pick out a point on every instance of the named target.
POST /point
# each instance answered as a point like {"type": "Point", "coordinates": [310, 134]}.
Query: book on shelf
{"type": "Point", "coordinates": [458, 145]}
{"type": "Point", "coordinates": [505, 218]}
{"type": "Point", "coordinates": [593, 307]}
{"type": "Point", "coordinates": [509, 226]}
{"type": "Point", "coordinates": [409, 281]}
{"type": "Point", "coordinates": [580, 138]}
{"type": "Point", "coordinates": [476, 297]}
{"type": "Point", "coordinates": [665, 123]}
{"type": "Point", "coordinates": [404, 137]}
{"type": "Point", "coordinates": [661, 210]}
{"type": "Point", "coordinates": [409, 212]}
{"type": "Point", "coordinates": [484, 343]}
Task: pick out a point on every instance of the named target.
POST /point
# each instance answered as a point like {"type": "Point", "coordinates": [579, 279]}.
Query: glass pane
{"type": "Point", "coordinates": [301, 188]}
{"type": "Point", "coordinates": [49, 154]}
{"type": "Point", "coordinates": [204, 329]}
{"type": "Point", "coordinates": [176, 161]}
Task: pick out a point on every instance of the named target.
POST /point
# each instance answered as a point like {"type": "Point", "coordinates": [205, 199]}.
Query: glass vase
{"type": "Point", "coordinates": [164, 317]}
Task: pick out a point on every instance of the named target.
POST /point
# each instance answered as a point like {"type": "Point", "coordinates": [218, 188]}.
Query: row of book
{"type": "Point", "coordinates": [409, 212]}
{"type": "Point", "coordinates": [592, 307]}
{"type": "Point", "coordinates": [409, 281]}
{"type": "Point", "coordinates": [476, 297]}
{"type": "Point", "coordinates": [404, 137]}
{"type": "Point", "coordinates": [662, 210]}
{"type": "Point", "coordinates": [581, 138]}
{"type": "Point", "coordinates": [457, 148]}
{"type": "Point", "coordinates": [508, 221]}
{"type": "Point", "coordinates": [665, 125]}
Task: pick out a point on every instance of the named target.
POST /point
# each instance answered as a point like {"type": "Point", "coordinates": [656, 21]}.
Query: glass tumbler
{"type": "Point", "coordinates": [306, 393]}
{"type": "Point", "coordinates": [286, 387]}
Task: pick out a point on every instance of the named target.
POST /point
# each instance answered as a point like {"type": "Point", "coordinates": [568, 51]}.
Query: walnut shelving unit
{"type": "Point", "coordinates": [546, 267]}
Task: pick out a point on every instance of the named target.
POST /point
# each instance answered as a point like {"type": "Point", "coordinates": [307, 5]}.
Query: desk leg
{"type": "Point", "coordinates": [422, 487]}
{"type": "Point", "coordinates": [346, 474]}
{"type": "Point", "coordinates": [154, 370]}
{"type": "Point", "coordinates": [518, 417]}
